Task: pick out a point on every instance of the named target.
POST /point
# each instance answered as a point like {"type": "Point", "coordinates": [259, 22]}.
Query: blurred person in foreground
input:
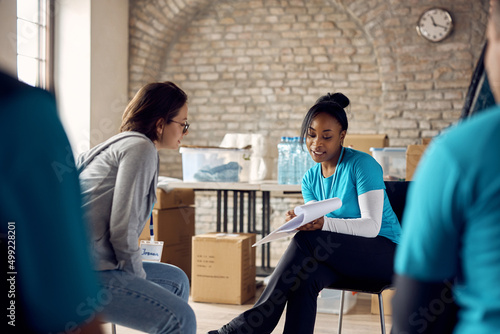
{"type": "Point", "coordinates": [448, 262]}
{"type": "Point", "coordinates": [50, 285]}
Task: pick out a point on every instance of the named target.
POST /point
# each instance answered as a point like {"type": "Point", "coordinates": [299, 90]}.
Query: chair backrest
{"type": "Point", "coordinates": [396, 192]}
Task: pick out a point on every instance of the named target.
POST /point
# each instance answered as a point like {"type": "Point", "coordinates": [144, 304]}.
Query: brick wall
{"type": "Point", "coordinates": [257, 66]}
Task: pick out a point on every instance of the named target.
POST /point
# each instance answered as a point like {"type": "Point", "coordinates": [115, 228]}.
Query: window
{"type": "Point", "coordinates": [34, 42]}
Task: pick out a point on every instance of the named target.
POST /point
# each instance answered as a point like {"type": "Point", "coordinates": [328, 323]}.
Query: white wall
{"type": "Point", "coordinates": [91, 68]}
{"type": "Point", "coordinates": [109, 67]}
{"type": "Point", "coordinates": [72, 69]}
{"type": "Point", "coordinates": [8, 30]}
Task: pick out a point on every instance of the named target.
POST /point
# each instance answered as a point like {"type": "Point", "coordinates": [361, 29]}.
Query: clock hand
{"type": "Point", "coordinates": [437, 25]}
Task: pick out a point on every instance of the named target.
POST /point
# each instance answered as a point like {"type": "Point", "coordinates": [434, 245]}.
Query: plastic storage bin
{"type": "Point", "coordinates": [329, 301]}
{"type": "Point", "coordinates": [392, 160]}
{"type": "Point", "coordinates": [213, 164]}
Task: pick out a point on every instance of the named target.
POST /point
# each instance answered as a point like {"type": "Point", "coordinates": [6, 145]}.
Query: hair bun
{"type": "Point", "coordinates": [340, 98]}
{"type": "Point", "coordinates": [337, 98]}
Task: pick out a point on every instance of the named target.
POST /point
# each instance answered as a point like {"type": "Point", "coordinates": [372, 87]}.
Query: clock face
{"type": "Point", "coordinates": [435, 24]}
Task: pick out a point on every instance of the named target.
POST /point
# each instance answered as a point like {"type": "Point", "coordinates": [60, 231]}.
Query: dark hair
{"type": "Point", "coordinates": [154, 101]}
{"type": "Point", "coordinates": [331, 104]}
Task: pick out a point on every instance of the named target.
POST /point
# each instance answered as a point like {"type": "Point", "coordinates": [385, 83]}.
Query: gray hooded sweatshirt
{"type": "Point", "coordinates": [118, 180]}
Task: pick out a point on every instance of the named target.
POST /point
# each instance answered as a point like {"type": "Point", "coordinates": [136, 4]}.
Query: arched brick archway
{"type": "Point", "coordinates": [154, 25]}
{"type": "Point", "coordinates": [421, 85]}
{"type": "Point", "coordinates": [151, 41]}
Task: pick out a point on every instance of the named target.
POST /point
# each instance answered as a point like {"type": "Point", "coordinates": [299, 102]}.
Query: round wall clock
{"type": "Point", "coordinates": [435, 24]}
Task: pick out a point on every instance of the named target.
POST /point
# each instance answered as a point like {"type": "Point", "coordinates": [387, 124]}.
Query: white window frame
{"type": "Point", "coordinates": [32, 32]}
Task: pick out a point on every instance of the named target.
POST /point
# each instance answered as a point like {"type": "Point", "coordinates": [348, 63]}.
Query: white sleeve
{"type": "Point", "coordinates": [371, 205]}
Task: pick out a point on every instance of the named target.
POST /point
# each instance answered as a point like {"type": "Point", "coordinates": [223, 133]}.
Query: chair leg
{"type": "Point", "coordinates": [113, 329]}
{"type": "Point", "coordinates": [341, 310]}
{"type": "Point", "coordinates": [381, 309]}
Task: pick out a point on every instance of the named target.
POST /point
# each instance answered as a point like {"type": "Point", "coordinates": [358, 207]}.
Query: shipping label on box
{"type": "Point", "coordinates": [175, 198]}
{"type": "Point", "coordinates": [223, 268]}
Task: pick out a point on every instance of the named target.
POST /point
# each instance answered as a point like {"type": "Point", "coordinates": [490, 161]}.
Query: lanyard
{"type": "Point", "coordinates": [334, 176]}
{"type": "Point", "coordinates": [151, 226]}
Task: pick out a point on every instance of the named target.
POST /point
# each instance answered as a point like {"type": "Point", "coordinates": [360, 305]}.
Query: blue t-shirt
{"type": "Point", "coordinates": [452, 220]}
{"type": "Point", "coordinates": [41, 214]}
{"type": "Point", "coordinates": [356, 173]}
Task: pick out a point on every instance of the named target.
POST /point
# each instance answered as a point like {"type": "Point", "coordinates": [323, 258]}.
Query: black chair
{"type": "Point", "coordinates": [396, 192]}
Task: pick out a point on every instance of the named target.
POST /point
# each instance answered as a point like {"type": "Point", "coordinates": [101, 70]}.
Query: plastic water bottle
{"type": "Point", "coordinates": [298, 161]}
{"type": "Point", "coordinates": [289, 161]}
{"type": "Point", "coordinates": [282, 160]}
{"type": "Point", "coordinates": [308, 161]}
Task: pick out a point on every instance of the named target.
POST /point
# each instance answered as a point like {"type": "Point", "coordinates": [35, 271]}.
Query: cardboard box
{"type": "Point", "coordinates": [175, 198]}
{"type": "Point", "coordinates": [364, 142]}
{"type": "Point", "coordinates": [386, 299]}
{"type": "Point", "coordinates": [172, 226]}
{"type": "Point", "coordinates": [179, 255]}
{"type": "Point", "coordinates": [223, 268]}
{"type": "Point", "coordinates": [426, 141]}
{"type": "Point", "coordinates": [413, 155]}
{"type": "Point", "coordinates": [175, 227]}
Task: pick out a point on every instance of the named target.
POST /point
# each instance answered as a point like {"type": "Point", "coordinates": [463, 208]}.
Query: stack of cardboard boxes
{"type": "Point", "coordinates": [223, 268]}
{"type": "Point", "coordinates": [173, 222]}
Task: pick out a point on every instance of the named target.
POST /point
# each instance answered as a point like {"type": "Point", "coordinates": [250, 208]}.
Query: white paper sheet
{"type": "Point", "coordinates": [304, 214]}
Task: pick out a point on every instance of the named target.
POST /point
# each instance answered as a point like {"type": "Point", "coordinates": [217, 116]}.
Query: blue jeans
{"type": "Point", "coordinates": [157, 304]}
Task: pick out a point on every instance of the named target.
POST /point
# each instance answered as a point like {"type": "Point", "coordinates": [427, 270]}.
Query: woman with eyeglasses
{"type": "Point", "coordinates": [118, 179]}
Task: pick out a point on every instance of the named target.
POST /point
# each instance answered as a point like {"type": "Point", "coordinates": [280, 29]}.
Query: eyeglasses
{"type": "Point", "coordinates": [185, 124]}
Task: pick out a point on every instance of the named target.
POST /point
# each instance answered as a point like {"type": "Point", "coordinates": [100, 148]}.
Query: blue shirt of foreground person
{"type": "Point", "coordinates": [450, 247]}
{"type": "Point", "coordinates": [50, 285]}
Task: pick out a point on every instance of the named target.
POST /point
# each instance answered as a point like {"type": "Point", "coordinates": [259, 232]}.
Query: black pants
{"type": "Point", "coordinates": [314, 260]}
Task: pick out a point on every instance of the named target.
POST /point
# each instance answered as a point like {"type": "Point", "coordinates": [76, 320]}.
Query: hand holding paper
{"type": "Point", "coordinates": [305, 214]}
